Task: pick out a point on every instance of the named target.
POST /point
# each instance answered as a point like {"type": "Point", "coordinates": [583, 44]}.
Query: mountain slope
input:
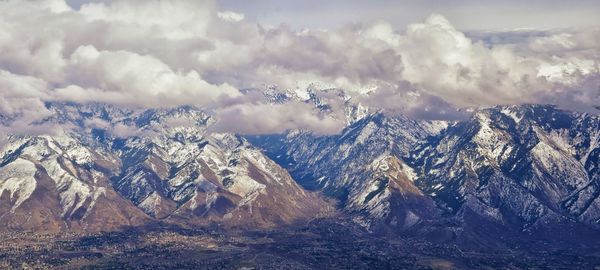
{"type": "Point", "coordinates": [520, 166]}
{"type": "Point", "coordinates": [516, 168]}
{"type": "Point", "coordinates": [345, 166]}
{"type": "Point", "coordinates": [168, 168]}
{"type": "Point", "coordinates": [55, 183]}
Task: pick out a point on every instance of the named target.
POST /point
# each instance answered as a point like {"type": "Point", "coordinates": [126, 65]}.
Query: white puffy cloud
{"type": "Point", "coordinates": [168, 19]}
{"type": "Point", "coordinates": [231, 16]}
{"type": "Point", "coordinates": [118, 130]}
{"type": "Point", "coordinates": [267, 118]}
{"type": "Point", "coordinates": [160, 53]}
{"type": "Point", "coordinates": [124, 77]}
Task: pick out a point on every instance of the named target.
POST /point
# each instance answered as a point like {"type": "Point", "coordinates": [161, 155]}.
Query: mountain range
{"type": "Point", "coordinates": [504, 170]}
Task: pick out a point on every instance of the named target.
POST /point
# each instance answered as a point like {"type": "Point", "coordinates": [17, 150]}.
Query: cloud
{"type": "Point", "coordinates": [168, 19]}
{"type": "Point", "coordinates": [230, 16]}
{"type": "Point", "coordinates": [155, 53]}
{"type": "Point", "coordinates": [274, 118]}
{"type": "Point", "coordinates": [122, 77]}
{"type": "Point", "coordinates": [118, 130]}
{"type": "Point", "coordinates": [21, 94]}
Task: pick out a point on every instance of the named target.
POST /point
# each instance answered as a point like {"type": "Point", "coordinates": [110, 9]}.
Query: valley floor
{"type": "Point", "coordinates": [323, 244]}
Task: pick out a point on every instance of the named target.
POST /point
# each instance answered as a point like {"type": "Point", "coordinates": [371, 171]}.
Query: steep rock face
{"type": "Point", "coordinates": [523, 167]}
{"type": "Point", "coordinates": [390, 196]}
{"type": "Point", "coordinates": [217, 178]}
{"type": "Point", "coordinates": [165, 166]}
{"type": "Point", "coordinates": [517, 167]}
{"type": "Point", "coordinates": [187, 173]}
{"type": "Point", "coordinates": [55, 183]}
{"type": "Point", "coordinates": [342, 166]}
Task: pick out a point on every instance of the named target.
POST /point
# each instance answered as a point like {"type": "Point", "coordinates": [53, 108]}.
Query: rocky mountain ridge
{"type": "Point", "coordinates": [92, 178]}
{"type": "Point", "coordinates": [519, 169]}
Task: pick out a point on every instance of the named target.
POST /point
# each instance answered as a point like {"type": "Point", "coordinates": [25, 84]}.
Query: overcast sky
{"type": "Point", "coordinates": [422, 58]}
{"type": "Point", "coordinates": [464, 14]}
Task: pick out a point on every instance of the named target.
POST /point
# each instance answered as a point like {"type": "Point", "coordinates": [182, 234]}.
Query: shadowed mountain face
{"type": "Point", "coordinates": [524, 167]}
{"type": "Point", "coordinates": [515, 169]}
{"type": "Point", "coordinates": [362, 167]}
{"type": "Point", "coordinates": [511, 170]}
{"type": "Point", "coordinates": [88, 179]}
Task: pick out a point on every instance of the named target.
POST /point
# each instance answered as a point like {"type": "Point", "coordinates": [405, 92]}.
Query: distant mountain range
{"type": "Point", "coordinates": [515, 170]}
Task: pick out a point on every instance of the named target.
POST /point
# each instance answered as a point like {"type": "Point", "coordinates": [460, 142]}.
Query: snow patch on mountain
{"type": "Point", "coordinates": [17, 178]}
